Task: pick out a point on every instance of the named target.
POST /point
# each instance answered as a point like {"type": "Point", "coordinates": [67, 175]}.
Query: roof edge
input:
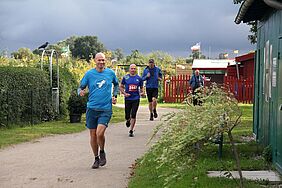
{"type": "Point", "coordinates": [242, 11]}
{"type": "Point", "coordinates": [274, 4]}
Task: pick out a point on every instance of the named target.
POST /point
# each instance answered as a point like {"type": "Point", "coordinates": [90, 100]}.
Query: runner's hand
{"type": "Point", "coordinates": [82, 92]}
{"type": "Point", "coordinates": [114, 100]}
{"type": "Point", "coordinates": [126, 94]}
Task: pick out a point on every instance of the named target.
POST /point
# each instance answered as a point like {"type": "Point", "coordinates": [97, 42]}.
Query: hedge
{"type": "Point", "coordinates": [24, 96]}
{"type": "Point", "coordinates": [67, 83]}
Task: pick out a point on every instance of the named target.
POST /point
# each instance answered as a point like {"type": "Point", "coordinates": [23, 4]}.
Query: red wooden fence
{"type": "Point", "coordinates": [243, 89]}
{"type": "Point", "coordinates": [176, 88]}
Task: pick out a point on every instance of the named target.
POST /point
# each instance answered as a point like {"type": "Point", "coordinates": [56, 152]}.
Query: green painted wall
{"type": "Point", "coordinates": [268, 83]}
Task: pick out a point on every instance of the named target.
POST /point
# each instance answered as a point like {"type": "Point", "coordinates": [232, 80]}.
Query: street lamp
{"type": "Point", "coordinates": [237, 68]}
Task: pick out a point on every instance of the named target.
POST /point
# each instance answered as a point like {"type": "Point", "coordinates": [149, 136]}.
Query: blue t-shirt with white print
{"type": "Point", "coordinates": [100, 88]}
{"type": "Point", "coordinates": [132, 86]}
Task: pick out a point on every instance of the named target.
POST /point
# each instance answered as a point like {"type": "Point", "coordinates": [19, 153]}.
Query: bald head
{"type": "Point", "coordinates": [100, 61]}
{"type": "Point", "coordinates": [197, 72]}
{"type": "Point", "coordinates": [100, 55]}
{"type": "Point", "coordinates": [132, 69]}
{"type": "Point", "coordinates": [132, 66]}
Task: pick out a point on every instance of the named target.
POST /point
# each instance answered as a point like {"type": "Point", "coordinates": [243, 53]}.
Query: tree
{"type": "Point", "coordinates": [68, 42]}
{"type": "Point", "coordinates": [197, 54]}
{"type": "Point", "coordinates": [4, 53]}
{"type": "Point", "coordinates": [118, 54]}
{"type": "Point", "coordinates": [135, 54]}
{"type": "Point", "coordinates": [253, 26]}
{"type": "Point", "coordinates": [135, 57]}
{"type": "Point", "coordinates": [59, 46]}
{"type": "Point", "coordinates": [86, 47]}
{"type": "Point", "coordinates": [253, 29]}
{"type": "Point", "coordinates": [189, 60]}
{"type": "Point", "coordinates": [55, 47]}
{"type": "Point", "coordinates": [165, 61]}
{"type": "Point", "coordinates": [24, 54]}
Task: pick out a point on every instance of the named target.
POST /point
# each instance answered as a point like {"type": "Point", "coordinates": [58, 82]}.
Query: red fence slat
{"type": "Point", "coordinates": [243, 89]}
{"type": "Point", "coordinates": [176, 88]}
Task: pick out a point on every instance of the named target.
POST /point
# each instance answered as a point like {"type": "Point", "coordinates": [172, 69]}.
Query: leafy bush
{"type": "Point", "coordinates": [77, 104]}
{"type": "Point", "coordinates": [267, 154]}
{"type": "Point", "coordinates": [67, 83]}
{"type": "Point", "coordinates": [25, 95]}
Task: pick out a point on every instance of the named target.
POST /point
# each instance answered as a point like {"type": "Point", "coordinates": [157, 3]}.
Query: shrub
{"type": "Point", "coordinates": [76, 104]}
{"type": "Point", "coordinates": [267, 154]}
{"type": "Point", "coordinates": [25, 96]}
{"type": "Point", "coordinates": [67, 83]}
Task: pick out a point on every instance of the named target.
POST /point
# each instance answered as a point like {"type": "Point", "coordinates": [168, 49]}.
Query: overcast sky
{"type": "Point", "coordinates": [172, 26]}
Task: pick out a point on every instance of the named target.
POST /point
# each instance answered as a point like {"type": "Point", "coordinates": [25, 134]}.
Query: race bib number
{"type": "Point", "coordinates": [132, 87]}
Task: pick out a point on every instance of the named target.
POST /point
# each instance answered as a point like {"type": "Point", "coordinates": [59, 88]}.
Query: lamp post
{"type": "Point", "coordinates": [237, 68]}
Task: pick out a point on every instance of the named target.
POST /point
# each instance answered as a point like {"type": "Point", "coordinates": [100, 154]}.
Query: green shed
{"type": "Point", "coordinates": [268, 72]}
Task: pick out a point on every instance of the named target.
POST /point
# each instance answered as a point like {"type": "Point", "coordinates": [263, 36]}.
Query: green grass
{"type": "Point", "coordinates": [143, 100]}
{"type": "Point", "coordinates": [172, 105]}
{"type": "Point", "coordinates": [148, 175]}
{"type": "Point", "coordinates": [15, 134]}
{"type": "Point", "coordinates": [118, 115]}
{"type": "Point", "coordinates": [246, 127]}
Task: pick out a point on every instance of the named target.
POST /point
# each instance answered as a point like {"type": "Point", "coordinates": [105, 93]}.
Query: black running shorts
{"type": "Point", "coordinates": [131, 107]}
{"type": "Point", "coordinates": [152, 92]}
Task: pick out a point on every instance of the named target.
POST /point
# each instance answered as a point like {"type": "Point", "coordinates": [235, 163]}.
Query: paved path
{"type": "Point", "coordinates": [65, 160]}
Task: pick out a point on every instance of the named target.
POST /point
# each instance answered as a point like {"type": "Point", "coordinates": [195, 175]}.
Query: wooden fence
{"type": "Point", "coordinates": [176, 88]}
{"type": "Point", "coordinates": [243, 89]}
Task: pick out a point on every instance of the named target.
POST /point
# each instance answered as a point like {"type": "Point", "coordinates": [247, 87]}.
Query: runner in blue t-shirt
{"type": "Point", "coordinates": [152, 75]}
{"type": "Point", "coordinates": [131, 87]}
{"type": "Point", "coordinates": [99, 81]}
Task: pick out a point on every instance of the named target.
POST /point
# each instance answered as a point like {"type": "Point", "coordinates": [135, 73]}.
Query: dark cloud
{"type": "Point", "coordinates": [146, 25]}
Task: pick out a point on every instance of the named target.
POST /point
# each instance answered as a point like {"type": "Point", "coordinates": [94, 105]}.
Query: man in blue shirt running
{"type": "Point", "coordinates": [152, 74]}
{"type": "Point", "coordinates": [99, 81]}
{"type": "Point", "coordinates": [131, 87]}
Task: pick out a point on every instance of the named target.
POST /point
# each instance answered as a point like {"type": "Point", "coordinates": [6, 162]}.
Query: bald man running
{"type": "Point", "coordinates": [99, 81]}
{"type": "Point", "coordinates": [131, 87]}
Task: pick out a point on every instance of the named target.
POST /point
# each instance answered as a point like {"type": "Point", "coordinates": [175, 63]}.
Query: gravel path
{"type": "Point", "coordinates": [65, 160]}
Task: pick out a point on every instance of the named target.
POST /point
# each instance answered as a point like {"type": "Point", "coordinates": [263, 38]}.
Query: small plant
{"type": "Point", "coordinates": [76, 107]}
{"type": "Point", "coordinates": [267, 154]}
